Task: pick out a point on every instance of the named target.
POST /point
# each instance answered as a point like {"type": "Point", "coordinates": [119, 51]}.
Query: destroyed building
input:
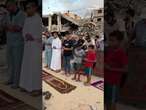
{"type": "Point", "coordinates": [94, 24]}
{"type": "Point", "coordinates": [60, 22]}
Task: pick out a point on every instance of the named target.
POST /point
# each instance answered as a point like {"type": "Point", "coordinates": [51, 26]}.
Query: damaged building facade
{"type": "Point", "coordinates": [94, 24]}
{"type": "Point", "coordinates": [60, 22]}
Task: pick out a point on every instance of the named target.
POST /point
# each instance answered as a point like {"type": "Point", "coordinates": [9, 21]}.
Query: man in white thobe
{"type": "Point", "coordinates": [30, 79]}
{"type": "Point", "coordinates": [56, 53]}
{"type": "Point", "coordinates": [15, 42]}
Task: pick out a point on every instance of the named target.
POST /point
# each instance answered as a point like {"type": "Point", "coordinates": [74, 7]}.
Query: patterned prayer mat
{"type": "Point", "coordinates": [99, 85]}
{"type": "Point", "coordinates": [8, 102]}
{"type": "Point", "coordinates": [129, 96]}
{"type": "Point", "coordinates": [58, 84]}
{"type": "Point", "coordinates": [84, 107]}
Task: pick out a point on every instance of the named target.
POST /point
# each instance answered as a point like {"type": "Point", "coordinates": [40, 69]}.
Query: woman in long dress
{"type": "Point", "coordinates": [30, 79]}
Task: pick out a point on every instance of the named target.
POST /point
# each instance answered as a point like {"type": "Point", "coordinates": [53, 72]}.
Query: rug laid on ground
{"type": "Point", "coordinates": [99, 84]}
{"type": "Point", "coordinates": [130, 97]}
{"type": "Point", "coordinates": [84, 107]}
{"type": "Point", "coordinates": [8, 102]}
{"type": "Point", "coordinates": [58, 84]}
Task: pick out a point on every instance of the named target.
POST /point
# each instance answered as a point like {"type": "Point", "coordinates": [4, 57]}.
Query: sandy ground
{"type": "Point", "coordinates": [81, 96]}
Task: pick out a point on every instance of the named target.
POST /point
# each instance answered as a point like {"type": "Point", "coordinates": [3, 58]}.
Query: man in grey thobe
{"type": "Point", "coordinates": [15, 42]}
{"type": "Point", "coordinates": [137, 58]}
{"type": "Point", "coordinates": [48, 50]}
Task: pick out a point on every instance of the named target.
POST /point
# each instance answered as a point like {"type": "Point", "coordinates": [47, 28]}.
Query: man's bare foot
{"type": "Point", "coordinates": [57, 71]}
{"type": "Point", "coordinates": [46, 66]}
{"type": "Point", "coordinates": [87, 84]}
{"type": "Point", "coordinates": [14, 87]}
{"type": "Point", "coordinates": [68, 75]}
{"type": "Point", "coordinates": [78, 80]}
{"type": "Point", "coordinates": [74, 78]}
{"type": "Point", "coordinates": [51, 69]}
{"type": "Point", "coordinates": [63, 73]}
{"type": "Point", "coordinates": [8, 83]}
{"type": "Point", "coordinates": [36, 93]}
{"type": "Point", "coordinates": [22, 90]}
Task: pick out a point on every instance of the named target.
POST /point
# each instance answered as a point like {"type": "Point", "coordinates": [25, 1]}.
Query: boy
{"type": "Point", "coordinates": [90, 59]}
{"type": "Point", "coordinates": [78, 57]}
{"type": "Point", "coordinates": [115, 65]}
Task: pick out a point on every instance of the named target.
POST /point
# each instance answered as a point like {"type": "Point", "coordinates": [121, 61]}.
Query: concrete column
{"type": "Point", "coordinates": [49, 23]}
{"type": "Point", "coordinates": [59, 22]}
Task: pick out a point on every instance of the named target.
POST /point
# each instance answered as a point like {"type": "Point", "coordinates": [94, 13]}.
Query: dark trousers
{"type": "Point", "coordinates": [14, 55]}
{"type": "Point", "coordinates": [67, 66]}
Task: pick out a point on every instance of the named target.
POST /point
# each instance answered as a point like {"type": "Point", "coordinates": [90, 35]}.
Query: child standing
{"type": "Point", "coordinates": [78, 57]}
{"type": "Point", "coordinates": [115, 65]}
{"type": "Point", "coordinates": [90, 59]}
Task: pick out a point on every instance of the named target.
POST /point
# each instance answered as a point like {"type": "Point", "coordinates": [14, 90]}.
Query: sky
{"type": "Point", "coordinates": [80, 7]}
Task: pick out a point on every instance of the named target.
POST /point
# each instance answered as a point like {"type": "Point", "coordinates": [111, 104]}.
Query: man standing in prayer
{"type": "Point", "coordinates": [139, 34]}
{"type": "Point", "coordinates": [15, 42]}
{"type": "Point", "coordinates": [48, 49]}
{"type": "Point", "coordinates": [30, 79]}
{"type": "Point", "coordinates": [56, 53]}
{"type": "Point", "coordinates": [3, 15]}
{"type": "Point", "coordinates": [139, 53]}
{"type": "Point", "coordinates": [67, 53]}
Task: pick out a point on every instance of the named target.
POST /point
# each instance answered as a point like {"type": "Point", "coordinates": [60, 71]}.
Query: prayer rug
{"type": "Point", "coordinates": [99, 85]}
{"type": "Point", "coordinates": [8, 102]}
{"type": "Point", "coordinates": [44, 75]}
{"type": "Point", "coordinates": [84, 107]}
{"type": "Point", "coordinates": [58, 84]}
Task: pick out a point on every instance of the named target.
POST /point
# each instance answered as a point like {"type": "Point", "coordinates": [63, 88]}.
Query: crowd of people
{"type": "Point", "coordinates": [75, 54]}
{"type": "Point", "coordinates": [23, 46]}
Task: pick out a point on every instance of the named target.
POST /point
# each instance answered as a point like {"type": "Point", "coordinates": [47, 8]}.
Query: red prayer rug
{"type": "Point", "coordinates": [58, 84]}
{"type": "Point", "coordinates": [99, 85]}
{"type": "Point", "coordinates": [8, 102]}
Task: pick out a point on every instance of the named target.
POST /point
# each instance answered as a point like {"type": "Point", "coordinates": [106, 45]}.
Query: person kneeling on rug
{"type": "Point", "coordinates": [89, 60]}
